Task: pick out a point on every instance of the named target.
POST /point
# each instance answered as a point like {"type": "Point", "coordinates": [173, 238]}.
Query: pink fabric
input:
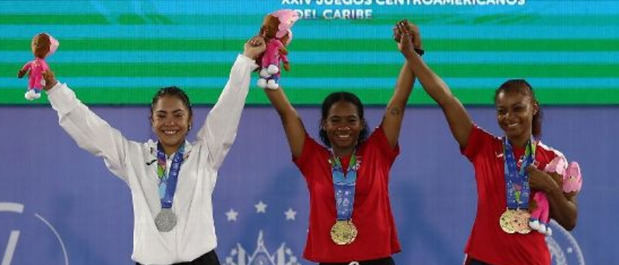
{"type": "Point", "coordinates": [36, 68]}
{"type": "Point", "coordinates": [542, 211]}
{"type": "Point", "coordinates": [54, 45]}
{"type": "Point", "coordinates": [287, 18]}
{"type": "Point", "coordinates": [272, 53]}
{"type": "Point", "coordinates": [557, 165]}
{"type": "Point", "coordinates": [572, 180]}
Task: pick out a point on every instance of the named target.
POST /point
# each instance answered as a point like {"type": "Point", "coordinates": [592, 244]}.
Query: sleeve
{"type": "Point", "coordinates": [310, 147]}
{"type": "Point", "coordinates": [89, 131]}
{"type": "Point", "coordinates": [219, 130]}
{"type": "Point", "coordinates": [379, 139]}
{"type": "Point", "coordinates": [477, 138]}
{"type": "Point", "coordinates": [26, 66]}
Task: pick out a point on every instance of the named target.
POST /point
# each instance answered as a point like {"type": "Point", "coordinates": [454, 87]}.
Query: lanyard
{"type": "Point", "coordinates": [344, 186]}
{"type": "Point", "coordinates": [517, 181]}
{"type": "Point", "coordinates": [167, 182]}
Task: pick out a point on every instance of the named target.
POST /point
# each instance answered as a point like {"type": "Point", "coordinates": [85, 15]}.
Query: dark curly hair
{"type": "Point", "coordinates": [346, 97]}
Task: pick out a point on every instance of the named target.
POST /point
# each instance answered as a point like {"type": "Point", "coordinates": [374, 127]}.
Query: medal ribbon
{"type": "Point", "coordinates": [517, 181]}
{"type": "Point", "coordinates": [344, 186]}
{"type": "Point", "coordinates": [167, 182]}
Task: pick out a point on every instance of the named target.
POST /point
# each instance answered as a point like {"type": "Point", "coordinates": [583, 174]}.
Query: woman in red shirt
{"type": "Point", "coordinates": [500, 234]}
{"type": "Point", "coordinates": [350, 213]}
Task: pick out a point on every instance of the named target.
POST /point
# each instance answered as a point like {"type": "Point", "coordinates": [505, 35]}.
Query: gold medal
{"type": "Point", "coordinates": [515, 221]}
{"type": "Point", "coordinates": [343, 232]}
{"type": "Point", "coordinates": [506, 221]}
{"type": "Point", "coordinates": [521, 221]}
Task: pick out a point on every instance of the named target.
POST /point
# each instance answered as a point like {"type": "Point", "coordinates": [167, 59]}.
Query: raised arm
{"type": "Point", "coordinates": [293, 126]}
{"type": "Point", "coordinates": [394, 113]}
{"type": "Point", "coordinates": [89, 131]}
{"type": "Point", "coordinates": [219, 130]}
{"type": "Point", "coordinates": [458, 119]}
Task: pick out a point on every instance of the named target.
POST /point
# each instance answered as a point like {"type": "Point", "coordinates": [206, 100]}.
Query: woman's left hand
{"type": "Point", "coordinates": [541, 180]}
{"type": "Point", "coordinates": [563, 207]}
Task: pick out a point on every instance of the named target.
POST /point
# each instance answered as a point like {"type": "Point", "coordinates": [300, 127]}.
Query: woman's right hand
{"type": "Point", "coordinates": [254, 47]}
{"type": "Point", "coordinates": [50, 79]}
{"type": "Point", "coordinates": [408, 37]}
{"type": "Point", "coordinates": [459, 121]}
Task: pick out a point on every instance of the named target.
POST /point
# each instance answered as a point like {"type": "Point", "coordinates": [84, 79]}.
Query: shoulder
{"type": "Point", "coordinates": [548, 152]}
{"type": "Point", "coordinates": [312, 146]}
{"type": "Point", "coordinates": [377, 142]}
{"type": "Point", "coordinates": [480, 136]}
{"type": "Point", "coordinates": [311, 150]}
{"type": "Point", "coordinates": [479, 142]}
{"type": "Point", "coordinates": [377, 136]}
{"type": "Point", "coordinates": [484, 134]}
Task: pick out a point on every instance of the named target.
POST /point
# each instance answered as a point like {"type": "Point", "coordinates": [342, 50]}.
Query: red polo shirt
{"type": "Point", "coordinates": [372, 215]}
{"type": "Point", "coordinates": [487, 242]}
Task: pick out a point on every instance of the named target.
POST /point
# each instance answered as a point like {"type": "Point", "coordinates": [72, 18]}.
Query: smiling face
{"type": "Point", "coordinates": [343, 126]}
{"type": "Point", "coordinates": [170, 121]}
{"type": "Point", "coordinates": [515, 111]}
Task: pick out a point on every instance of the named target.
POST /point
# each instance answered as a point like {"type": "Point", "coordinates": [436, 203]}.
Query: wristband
{"type": "Point", "coordinates": [419, 51]}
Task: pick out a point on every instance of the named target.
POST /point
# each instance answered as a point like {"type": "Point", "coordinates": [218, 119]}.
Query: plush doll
{"type": "Point", "coordinates": [571, 182]}
{"type": "Point", "coordinates": [42, 46]}
{"type": "Point", "coordinates": [276, 32]}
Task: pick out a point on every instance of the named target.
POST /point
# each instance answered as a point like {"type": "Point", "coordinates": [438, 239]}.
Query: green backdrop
{"type": "Point", "coordinates": [120, 52]}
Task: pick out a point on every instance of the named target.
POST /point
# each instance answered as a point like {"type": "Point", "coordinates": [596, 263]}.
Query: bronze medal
{"type": "Point", "coordinates": [343, 232]}
{"type": "Point", "coordinates": [521, 221]}
{"type": "Point", "coordinates": [506, 221]}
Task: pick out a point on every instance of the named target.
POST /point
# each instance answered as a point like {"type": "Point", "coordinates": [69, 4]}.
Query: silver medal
{"type": "Point", "coordinates": [165, 220]}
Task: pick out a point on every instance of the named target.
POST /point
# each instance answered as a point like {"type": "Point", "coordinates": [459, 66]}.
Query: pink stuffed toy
{"type": "Point", "coordinates": [42, 46]}
{"type": "Point", "coordinates": [571, 182]}
{"type": "Point", "coordinates": [277, 34]}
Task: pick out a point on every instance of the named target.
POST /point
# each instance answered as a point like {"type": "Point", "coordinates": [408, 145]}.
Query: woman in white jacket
{"type": "Point", "coordinates": [171, 180]}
